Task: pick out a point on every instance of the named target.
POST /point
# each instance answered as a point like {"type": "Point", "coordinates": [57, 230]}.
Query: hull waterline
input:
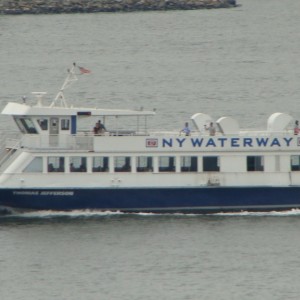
{"type": "Point", "coordinates": [155, 200]}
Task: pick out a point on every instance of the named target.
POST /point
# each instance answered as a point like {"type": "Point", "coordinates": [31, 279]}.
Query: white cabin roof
{"type": "Point", "coordinates": [17, 109]}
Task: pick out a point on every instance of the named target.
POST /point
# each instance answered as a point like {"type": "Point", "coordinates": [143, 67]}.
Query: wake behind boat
{"type": "Point", "coordinates": [58, 164]}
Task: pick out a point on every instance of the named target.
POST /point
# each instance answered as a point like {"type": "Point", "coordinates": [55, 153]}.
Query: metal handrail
{"type": "Point", "coordinates": [6, 153]}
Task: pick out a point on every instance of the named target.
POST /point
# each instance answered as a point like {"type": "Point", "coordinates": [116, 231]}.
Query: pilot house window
{"type": "Point", "coordinates": [43, 124]}
{"type": "Point", "coordinates": [65, 124]}
{"type": "Point", "coordinates": [26, 124]}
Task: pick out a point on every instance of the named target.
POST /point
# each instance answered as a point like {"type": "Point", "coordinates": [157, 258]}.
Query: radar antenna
{"type": "Point", "coordinates": [39, 96]}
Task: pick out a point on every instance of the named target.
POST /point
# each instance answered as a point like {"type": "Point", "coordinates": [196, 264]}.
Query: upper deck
{"type": "Point", "coordinates": [51, 128]}
{"type": "Point", "coordinates": [60, 126]}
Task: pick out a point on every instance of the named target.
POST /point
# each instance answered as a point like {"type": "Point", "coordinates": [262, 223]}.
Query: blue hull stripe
{"type": "Point", "coordinates": [201, 200]}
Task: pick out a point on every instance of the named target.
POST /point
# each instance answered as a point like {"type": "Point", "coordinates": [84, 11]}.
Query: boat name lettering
{"type": "Point", "coordinates": [43, 193]}
{"type": "Point", "coordinates": [57, 193]}
{"type": "Point", "coordinates": [26, 193]}
{"type": "Point", "coordinates": [226, 142]}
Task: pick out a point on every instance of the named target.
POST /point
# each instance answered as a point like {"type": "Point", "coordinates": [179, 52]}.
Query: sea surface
{"type": "Point", "coordinates": [242, 62]}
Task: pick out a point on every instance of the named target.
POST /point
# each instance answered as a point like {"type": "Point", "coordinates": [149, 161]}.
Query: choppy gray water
{"type": "Point", "coordinates": [241, 62]}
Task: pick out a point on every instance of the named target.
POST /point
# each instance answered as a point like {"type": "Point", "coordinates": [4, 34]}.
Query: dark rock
{"type": "Point", "coordinates": [91, 6]}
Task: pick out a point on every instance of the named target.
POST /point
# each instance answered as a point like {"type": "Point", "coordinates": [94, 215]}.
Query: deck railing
{"type": "Point", "coordinates": [7, 152]}
{"type": "Point", "coordinates": [67, 142]}
{"type": "Point", "coordinates": [9, 143]}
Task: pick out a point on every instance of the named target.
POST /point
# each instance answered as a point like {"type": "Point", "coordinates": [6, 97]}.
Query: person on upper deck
{"type": "Point", "coordinates": [296, 128]}
{"type": "Point", "coordinates": [99, 128]}
{"type": "Point", "coordinates": [211, 129]}
{"type": "Point", "coordinates": [186, 130]}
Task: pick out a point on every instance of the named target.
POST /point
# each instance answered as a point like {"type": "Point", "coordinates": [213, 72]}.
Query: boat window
{"type": "Point", "coordinates": [144, 164]}
{"type": "Point", "coordinates": [56, 164]}
{"type": "Point", "coordinates": [166, 164]}
{"type": "Point", "coordinates": [211, 164]}
{"type": "Point", "coordinates": [122, 164]}
{"type": "Point", "coordinates": [77, 164]}
{"type": "Point", "coordinates": [20, 125]}
{"type": "Point", "coordinates": [35, 166]}
{"type": "Point", "coordinates": [188, 164]}
{"type": "Point", "coordinates": [65, 124]}
{"type": "Point", "coordinates": [295, 162]}
{"type": "Point", "coordinates": [43, 123]}
{"type": "Point", "coordinates": [100, 164]}
{"type": "Point", "coordinates": [255, 163]}
{"type": "Point", "coordinates": [28, 125]}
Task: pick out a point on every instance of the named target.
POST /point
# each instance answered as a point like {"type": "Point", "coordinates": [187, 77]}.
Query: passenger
{"type": "Point", "coordinates": [296, 128]}
{"type": "Point", "coordinates": [102, 128]}
{"type": "Point", "coordinates": [211, 129]}
{"type": "Point", "coordinates": [82, 168]}
{"type": "Point", "coordinates": [50, 168]}
{"type": "Point", "coordinates": [186, 130]}
{"type": "Point", "coordinates": [97, 128]}
{"type": "Point", "coordinates": [126, 167]}
{"type": "Point", "coordinates": [72, 169]}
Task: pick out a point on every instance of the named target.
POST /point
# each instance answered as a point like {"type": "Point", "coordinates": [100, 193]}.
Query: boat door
{"type": "Point", "coordinates": [54, 130]}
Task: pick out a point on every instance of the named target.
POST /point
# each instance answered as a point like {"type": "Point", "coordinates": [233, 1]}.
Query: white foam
{"type": "Point", "coordinates": [96, 213]}
{"type": "Point", "coordinates": [71, 214]}
{"type": "Point", "coordinates": [287, 213]}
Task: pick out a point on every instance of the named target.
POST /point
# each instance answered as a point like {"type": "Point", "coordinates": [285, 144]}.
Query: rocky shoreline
{"type": "Point", "coordinates": [92, 6]}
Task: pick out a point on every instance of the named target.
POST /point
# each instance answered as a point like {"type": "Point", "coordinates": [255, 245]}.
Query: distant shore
{"type": "Point", "coordinates": [14, 7]}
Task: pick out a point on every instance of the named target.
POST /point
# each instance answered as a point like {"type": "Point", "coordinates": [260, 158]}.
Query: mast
{"type": "Point", "coordinates": [71, 78]}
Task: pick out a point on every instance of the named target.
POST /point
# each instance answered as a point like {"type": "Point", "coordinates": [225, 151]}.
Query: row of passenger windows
{"type": "Point", "coordinates": [142, 164]}
{"type": "Point", "coordinates": [120, 164]}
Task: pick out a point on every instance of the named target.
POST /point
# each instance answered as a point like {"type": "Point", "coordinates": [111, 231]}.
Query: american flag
{"type": "Point", "coordinates": [84, 70]}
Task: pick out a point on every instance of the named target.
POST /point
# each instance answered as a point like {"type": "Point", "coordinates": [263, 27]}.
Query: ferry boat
{"type": "Point", "coordinates": [56, 164]}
